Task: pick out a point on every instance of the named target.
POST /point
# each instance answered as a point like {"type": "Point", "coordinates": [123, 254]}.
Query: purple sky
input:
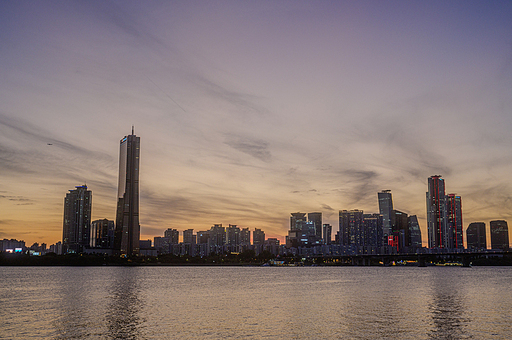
{"type": "Point", "coordinates": [250, 110]}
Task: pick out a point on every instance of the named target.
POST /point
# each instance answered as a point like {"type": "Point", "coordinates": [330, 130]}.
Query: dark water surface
{"type": "Point", "coordinates": [255, 303]}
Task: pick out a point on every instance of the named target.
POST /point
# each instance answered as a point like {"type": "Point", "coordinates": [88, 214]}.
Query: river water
{"type": "Point", "coordinates": [255, 303]}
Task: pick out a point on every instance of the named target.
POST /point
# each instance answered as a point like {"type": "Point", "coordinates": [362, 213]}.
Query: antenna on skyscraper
{"type": "Point", "coordinates": [132, 129]}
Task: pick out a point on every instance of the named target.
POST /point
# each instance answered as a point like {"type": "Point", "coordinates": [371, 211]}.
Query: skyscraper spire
{"type": "Point", "coordinates": [132, 129]}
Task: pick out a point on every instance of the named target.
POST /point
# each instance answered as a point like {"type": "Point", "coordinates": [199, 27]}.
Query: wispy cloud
{"type": "Point", "coordinates": [255, 148]}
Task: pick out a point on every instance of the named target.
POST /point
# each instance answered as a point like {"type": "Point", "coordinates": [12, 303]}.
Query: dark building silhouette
{"type": "Point", "coordinates": [233, 238]}
{"type": "Point", "coordinates": [258, 240]}
{"type": "Point", "coordinates": [372, 230]}
{"type": "Point", "coordinates": [297, 226]}
{"type": "Point", "coordinates": [327, 234]}
{"type": "Point", "coordinates": [386, 210]}
{"type": "Point", "coordinates": [351, 228]}
{"type": "Point", "coordinates": [145, 244]}
{"type": "Point", "coordinates": [454, 222]}
{"type": "Point", "coordinates": [77, 219]}
{"type": "Point", "coordinates": [102, 234]}
{"type": "Point", "coordinates": [245, 238]}
{"type": "Point", "coordinates": [217, 239]}
{"type": "Point", "coordinates": [127, 232]}
{"type": "Point", "coordinates": [499, 234]}
{"type": "Point", "coordinates": [258, 237]}
{"type": "Point", "coordinates": [305, 233]}
{"type": "Point", "coordinates": [436, 212]}
{"type": "Point", "coordinates": [189, 237]}
{"type": "Point", "coordinates": [400, 230]}
{"type": "Point", "coordinates": [415, 240]}
{"type": "Point", "coordinates": [316, 218]}
{"type": "Point", "coordinates": [173, 235]}
{"type": "Point", "coordinates": [476, 236]}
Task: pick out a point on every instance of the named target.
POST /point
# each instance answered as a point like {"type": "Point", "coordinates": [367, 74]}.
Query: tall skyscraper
{"type": "Point", "coordinates": [327, 234]}
{"type": "Point", "coordinates": [476, 237]}
{"type": "Point", "coordinates": [386, 210]}
{"type": "Point", "coordinates": [436, 220]}
{"type": "Point", "coordinates": [499, 234]}
{"type": "Point", "coordinates": [76, 230]}
{"type": "Point", "coordinates": [454, 222]}
{"type": "Point", "coordinates": [414, 232]}
{"type": "Point", "coordinates": [351, 229]}
{"type": "Point", "coordinates": [372, 230]}
{"type": "Point", "coordinates": [400, 229]}
{"type": "Point", "coordinates": [316, 218]}
{"type": "Point", "coordinates": [127, 218]}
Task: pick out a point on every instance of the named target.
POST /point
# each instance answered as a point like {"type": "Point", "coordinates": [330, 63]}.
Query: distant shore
{"type": "Point", "coordinates": [78, 260]}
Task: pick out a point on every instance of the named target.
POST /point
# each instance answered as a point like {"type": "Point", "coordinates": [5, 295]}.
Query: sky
{"type": "Point", "coordinates": [251, 110]}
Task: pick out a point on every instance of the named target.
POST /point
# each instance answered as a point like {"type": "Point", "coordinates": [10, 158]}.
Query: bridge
{"type": "Point", "coordinates": [422, 259]}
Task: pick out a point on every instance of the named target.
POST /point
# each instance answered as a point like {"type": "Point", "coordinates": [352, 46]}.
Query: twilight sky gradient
{"type": "Point", "coordinates": [250, 110]}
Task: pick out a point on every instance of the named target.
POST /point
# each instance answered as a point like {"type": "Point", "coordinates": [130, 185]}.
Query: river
{"type": "Point", "coordinates": [255, 303]}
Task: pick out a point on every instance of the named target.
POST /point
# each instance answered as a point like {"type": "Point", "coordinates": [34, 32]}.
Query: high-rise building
{"type": "Point", "coordinates": [304, 233]}
{"type": "Point", "coordinates": [173, 235]}
{"type": "Point", "coordinates": [436, 220]}
{"type": "Point", "coordinates": [499, 234]}
{"type": "Point", "coordinates": [233, 235]}
{"type": "Point", "coordinates": [217, 239]}
{"type": "Point", "coordinates": [476, 237]}
{"type": "Point", "coordinates": [77, 219]}
{"type": "Point", "coordinates": [415, 240]}
{"type": "Point", "coordinates": [233, 238]}
{"type": "Point", "coordinates": [454, 222]}
{"type": "Point", "coordinates": [127, 232]}
{"type": "Point", "coordinates": [296, 221]}
{"type": "Point", "coordinates": [372, 230]}
{"type": "Point", "coordinates": [386, 210]}
{"type": "Point", "coordinates": [316, 218]}
{"type": "Point", "coordinates": [400, 229]}
{"type": "Point", "coordinates": [102, 234]}
{"type": "Point", "coordinates": [245, 237]}
{"type": "Point", "coordinates": [258, 237]}
{"type": "Point", "coordinates": [327, 234]}
{"type": "Point", "coordinates": [351, 228]}
{"type": "Point", "coordinates": [189, 237]}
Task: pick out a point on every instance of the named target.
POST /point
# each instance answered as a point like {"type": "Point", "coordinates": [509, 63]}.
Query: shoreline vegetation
{"type": "Point", "coordinates": [247, 258]}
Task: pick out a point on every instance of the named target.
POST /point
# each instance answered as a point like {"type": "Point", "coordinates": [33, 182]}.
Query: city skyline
{"type": "Point", "coordinates": [251, 110]}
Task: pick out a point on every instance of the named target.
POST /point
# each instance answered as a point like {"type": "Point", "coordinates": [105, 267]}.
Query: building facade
{"type": "Point", "coordinates": [102, 234]}
{"type": "Point", "coordinates": [453, 210]}
{"type": "Point", "coordinates": [386, 210]}
{"type": "Point", "coordinates": [414, 232]}
{"type": "Point", "coordinates": [499, 234]}
{"type": "Point", "coordinates": [316, 218]}
{"type": "Point", "coordinates": [127, 232]}
{"type": "Point", "coordinates": [436, 226]}
{"type": "Point", "coordinates": [476, 236]}
{"type": "Point", "coordinates": [77, 219]}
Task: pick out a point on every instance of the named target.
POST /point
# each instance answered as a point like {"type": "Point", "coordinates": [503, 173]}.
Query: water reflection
{"type": "Point", "coordinates": [448, 309]}
{"type": "Point", "coordinates": [73, 305]}
{"type": "Point", "coordinates": [123, 314]}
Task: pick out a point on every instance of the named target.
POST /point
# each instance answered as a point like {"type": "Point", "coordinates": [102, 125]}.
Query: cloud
{"type": "Point", "coordinates": [327, 207]}
{"type": "Point", "coordinates": [27, 149]}
{"type": "Point", "coordinates": [362, 184]}
{"type": "Point", "coordinates": [19, 199]}
{"type": "Point", "coordinates": [255, 148]}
